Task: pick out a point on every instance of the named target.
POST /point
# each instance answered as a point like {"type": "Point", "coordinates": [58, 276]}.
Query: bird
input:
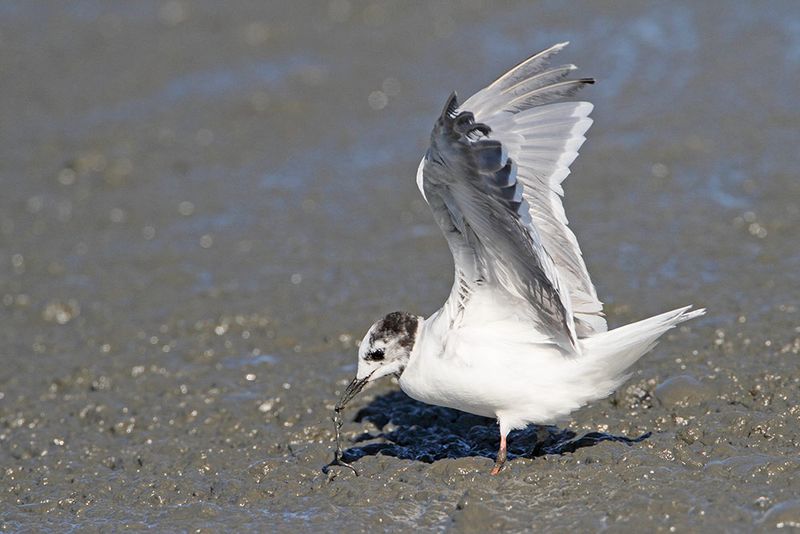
{"type": "Point", "coordinates": [522, 337]}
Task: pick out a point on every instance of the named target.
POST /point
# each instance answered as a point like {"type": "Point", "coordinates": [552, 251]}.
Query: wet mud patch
{"type": "Point", "coordinates": [412, 430]}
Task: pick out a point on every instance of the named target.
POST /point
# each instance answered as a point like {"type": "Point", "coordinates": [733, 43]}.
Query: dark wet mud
{"type": "Point", "coordinates": [203, 208]}
{"type": "Point", "coordinates": [412, 430]}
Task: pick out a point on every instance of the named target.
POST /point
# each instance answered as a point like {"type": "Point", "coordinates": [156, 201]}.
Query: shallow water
{"type": "Point", "coordinates": [203, 210]}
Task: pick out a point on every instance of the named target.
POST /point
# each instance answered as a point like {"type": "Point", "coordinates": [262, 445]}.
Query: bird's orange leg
{"type": "Point", "coordinates": [501, 455]}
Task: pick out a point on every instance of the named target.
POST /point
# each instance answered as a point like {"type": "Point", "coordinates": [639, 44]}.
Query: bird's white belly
{"type": "Point", "coordinates": [490, 368]}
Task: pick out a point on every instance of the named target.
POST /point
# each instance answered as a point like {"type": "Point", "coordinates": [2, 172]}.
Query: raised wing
{"type": "Point", "coordinates": [543, 138]}
{"type": "Point", "coordinates": [473, 189]}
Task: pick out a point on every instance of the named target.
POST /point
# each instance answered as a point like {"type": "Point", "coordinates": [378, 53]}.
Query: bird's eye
{"type": "Point", "coordinates": [374, 355]}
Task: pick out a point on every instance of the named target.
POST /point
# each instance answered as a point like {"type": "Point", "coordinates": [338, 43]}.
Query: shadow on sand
{"type": "Point", "coordinates": [412, 430]}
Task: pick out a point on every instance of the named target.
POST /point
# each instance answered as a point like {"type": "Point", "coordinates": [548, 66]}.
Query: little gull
{"type": "Point", "coordinates": [522, 337]}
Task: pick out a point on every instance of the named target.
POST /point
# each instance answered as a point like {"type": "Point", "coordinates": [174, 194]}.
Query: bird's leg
{"type": "Point", "coordinates": [501, 455]}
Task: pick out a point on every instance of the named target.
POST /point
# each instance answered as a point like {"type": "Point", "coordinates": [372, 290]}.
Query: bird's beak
{"type": "Point", "coordinates": [351, 391]}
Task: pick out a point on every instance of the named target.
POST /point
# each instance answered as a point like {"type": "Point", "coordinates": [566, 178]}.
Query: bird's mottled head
{"type": "Point", "coordinates": [386, 348]}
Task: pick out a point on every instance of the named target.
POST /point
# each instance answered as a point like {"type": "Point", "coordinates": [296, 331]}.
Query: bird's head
{"type": "Point", "coordinates": [385, 350]}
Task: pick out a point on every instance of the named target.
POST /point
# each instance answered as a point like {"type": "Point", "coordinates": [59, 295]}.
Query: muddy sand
{"type": "Point", "coordinates": [205, 207]}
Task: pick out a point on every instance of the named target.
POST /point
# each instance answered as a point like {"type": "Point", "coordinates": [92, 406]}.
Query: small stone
{"type": "Point", "coordinates": [61, 312]}
{"type": "Point", "coordinates": [683, 390]}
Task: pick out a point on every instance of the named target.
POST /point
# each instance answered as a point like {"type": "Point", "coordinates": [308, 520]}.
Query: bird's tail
{"type": "Point", "coordinates": [610, 354]}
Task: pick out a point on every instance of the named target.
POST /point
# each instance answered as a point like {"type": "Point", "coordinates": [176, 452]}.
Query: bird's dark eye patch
{"type": "Point", "coordinates": [374, 355]}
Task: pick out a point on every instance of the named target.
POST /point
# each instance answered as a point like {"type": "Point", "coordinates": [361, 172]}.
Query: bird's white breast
{"type": "Point", "coordinates": [491, 362]}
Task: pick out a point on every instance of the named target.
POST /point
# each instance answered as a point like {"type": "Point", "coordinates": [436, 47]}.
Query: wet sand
{"type": "Point", "coordinates": [204, 208]}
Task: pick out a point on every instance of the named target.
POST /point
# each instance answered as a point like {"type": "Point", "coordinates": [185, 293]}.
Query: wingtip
{"type": "Point", "coordinates": [555, 49]}
{"type": "Point", "coordinates": [688, 313]}
{"type": "Point", "coordinates": [450, 106]}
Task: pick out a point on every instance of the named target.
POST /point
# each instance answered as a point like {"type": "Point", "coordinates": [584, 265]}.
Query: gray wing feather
{"type": "Point", "coordinates": [493, 179]}
{"type": "Point", "coordinates": [477, 200]}
{"type": "Point", "coordinates": [528, 69]}
{"type": "Point", "coordinates": [543, 138]}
